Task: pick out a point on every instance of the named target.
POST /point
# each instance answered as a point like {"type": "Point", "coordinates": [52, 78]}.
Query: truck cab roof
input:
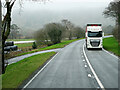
{"type": "Point", "coordinates": [94, 24]}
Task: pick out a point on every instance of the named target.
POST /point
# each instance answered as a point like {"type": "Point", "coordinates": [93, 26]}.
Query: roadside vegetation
{"type": "Point", "coordinates": [53, 33]}
{"type": "Point", "coordinates": [20, 39]}
{"type": "Point", "coordinates": [112, 11]}
{"type": "Point", "coordinates": [51, 36]}
{"type": "Point", "coordinates": [55, 46]}
{"type": "Point", "coordinates": [24, 45]}
{"type": "Point", "coordinates": [27, 48]}
{"type": "Point", "coordinates": [111, 44]}
{"type": "Point", "coordinates": [18, 72]}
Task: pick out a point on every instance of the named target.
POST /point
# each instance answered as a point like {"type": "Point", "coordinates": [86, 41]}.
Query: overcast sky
{"type": "Point", "coordinates": [34, 15]}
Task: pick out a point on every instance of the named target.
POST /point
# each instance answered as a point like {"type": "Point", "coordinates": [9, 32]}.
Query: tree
{"type": "Point", "coordinates": [42, 37]}
{"type": "Point", "coordinates": [54, 31]}
{"type": "Point", "coordinates": [69, 27]}
{"type": "Point", "coordinates": [14, 31]}
{"type": "Point", "coordinates": [6, 29]}
{"type": "Point", "coordinates": [113, 11]}
{"type": "Point", "coordinates": [78, 32]}
{"type": "Point", "coordinates": [6, 23]}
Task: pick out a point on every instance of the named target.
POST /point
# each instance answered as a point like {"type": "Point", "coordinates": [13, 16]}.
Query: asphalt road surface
{"type": "Point", "coordinates": [69, 69]}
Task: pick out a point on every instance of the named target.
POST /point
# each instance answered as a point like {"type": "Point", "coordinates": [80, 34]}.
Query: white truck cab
{"type": "Point", "coordinates": [94, 36]}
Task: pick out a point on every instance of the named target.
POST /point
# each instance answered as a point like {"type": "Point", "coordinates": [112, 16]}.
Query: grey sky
{"type": "Point", "coordinates": [34, 15]}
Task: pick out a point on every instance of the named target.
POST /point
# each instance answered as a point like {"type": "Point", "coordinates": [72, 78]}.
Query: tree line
{"type": "Point", "coordinates": [113, 11]}
{"type": "Point", "coordinates": [53, 33]}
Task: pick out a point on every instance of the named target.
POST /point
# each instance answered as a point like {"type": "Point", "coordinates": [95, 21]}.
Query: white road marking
{"type": "Point", "coordinates": [93, 71]}
{"type": "Point", "coordinates": [43, 68]}
{"type": "Point", "coordinates": [89, 75]}
{"type": "Point", "coordinates": [110, 53]}
{"type": "Point", "coordinates": [83, 60]}
{"type": "Point", "coordinates": [85, 66]}
{"type": "Point", "coordinates": [39, 72]}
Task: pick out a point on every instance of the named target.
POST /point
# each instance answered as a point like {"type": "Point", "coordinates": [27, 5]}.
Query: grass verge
{"type": "Point", "coordinates": [18, 72]}
{"type": "Point", "coordinates": [111, 45]}
{"type": "Point", "coordinates": [24, 45]}
{"type": "Point", "coordinates": [20, 39]}
{"type": "Point", "coordinates": [59, 45]}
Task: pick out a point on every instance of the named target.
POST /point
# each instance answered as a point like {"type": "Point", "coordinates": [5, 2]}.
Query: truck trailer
{"type": "Point", "coordinates": [94, 36]}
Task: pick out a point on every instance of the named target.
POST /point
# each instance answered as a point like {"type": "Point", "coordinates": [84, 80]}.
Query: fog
{"type": "Point", "coordinates": [34, 15]}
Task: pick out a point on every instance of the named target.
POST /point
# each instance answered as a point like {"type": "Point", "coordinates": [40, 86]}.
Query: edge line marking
{"type": "Point", "coordinates": [39, 72]}
{"type": "Point", "coordinates": [110, 53]}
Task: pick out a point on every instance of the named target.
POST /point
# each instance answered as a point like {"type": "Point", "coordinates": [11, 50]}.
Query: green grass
{"type": "Point", "coordinates": [20, 39]}
{"type": "Point", "coordinates": [18, 72]}
{"type": "Point", "coordinates": [59, 45]}
{"type": "Point", "coordinates": [111, 45]}
{"type": "Point", "coordinates": [24, 45]}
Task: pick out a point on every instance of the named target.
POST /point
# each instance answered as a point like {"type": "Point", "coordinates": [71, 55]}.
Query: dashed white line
{"type": "Point", "coordinates": [89, 75]}
{"type": "Point", "coordinates": [85, 66]}
{"type": "Point", "coordinates": [83, 60]}
{"type": "Point", "coordinates": [93, 71]}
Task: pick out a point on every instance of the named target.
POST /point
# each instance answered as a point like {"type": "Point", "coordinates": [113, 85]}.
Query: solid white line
{"type": "Point", "coordinates": [39, 72]}
{"type": "Point", "coordinates": [93, 71]}
{"type": "Point", "coordinates": [110, 54]}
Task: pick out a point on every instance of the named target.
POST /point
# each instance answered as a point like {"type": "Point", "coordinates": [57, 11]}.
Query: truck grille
{"type": "Point", "coordinates": [95, 44]}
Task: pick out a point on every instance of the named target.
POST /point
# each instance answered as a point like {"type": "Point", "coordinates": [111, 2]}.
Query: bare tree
{"type": "Point", "coordinates": [78, 32]}
{"type": "Point", "coordinates": [6, 29]}
{"type": "Point", "coordinates": [14, 34]}
{"type": "Point", "coordinates": [6, 23]}
{"type": "Point", "coordinates": [69, 27]}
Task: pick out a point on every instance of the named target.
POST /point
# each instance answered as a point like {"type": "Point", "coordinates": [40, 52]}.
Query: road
{"type": "Point", "coordinates": [69, 69]}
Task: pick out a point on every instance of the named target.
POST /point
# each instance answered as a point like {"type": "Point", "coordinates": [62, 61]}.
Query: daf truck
{"type": "Point", "coordinates": [94, 36]}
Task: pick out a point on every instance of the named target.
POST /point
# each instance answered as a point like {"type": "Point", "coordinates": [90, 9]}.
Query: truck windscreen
{"type": "Point", "coordinates": [94, 34]}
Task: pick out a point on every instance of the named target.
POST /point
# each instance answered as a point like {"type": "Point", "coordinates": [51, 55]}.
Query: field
{"type": "Point", "coordinates": [20, 39]}
{"type": "Point", "coordinates": [111, 45]}
{"type": "Point", "coordinates": [59, 45]}
{"type": "Point", "coordinates": [24, 45]}
{"type": "Point", "coordinates": [18, 72]}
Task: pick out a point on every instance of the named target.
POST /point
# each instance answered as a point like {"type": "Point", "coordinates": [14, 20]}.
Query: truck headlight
{"type": "Point", "coordinates": [95, 40]}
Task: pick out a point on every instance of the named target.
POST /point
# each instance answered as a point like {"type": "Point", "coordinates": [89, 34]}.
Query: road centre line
{"type": "Point", "coordinates": [93, 71]}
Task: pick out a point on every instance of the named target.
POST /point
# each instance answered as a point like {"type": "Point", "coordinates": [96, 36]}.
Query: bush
{"type": "Point", "coordinates": [54, 31]}
{"type": "Point", "coordinates": [34, 46]}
